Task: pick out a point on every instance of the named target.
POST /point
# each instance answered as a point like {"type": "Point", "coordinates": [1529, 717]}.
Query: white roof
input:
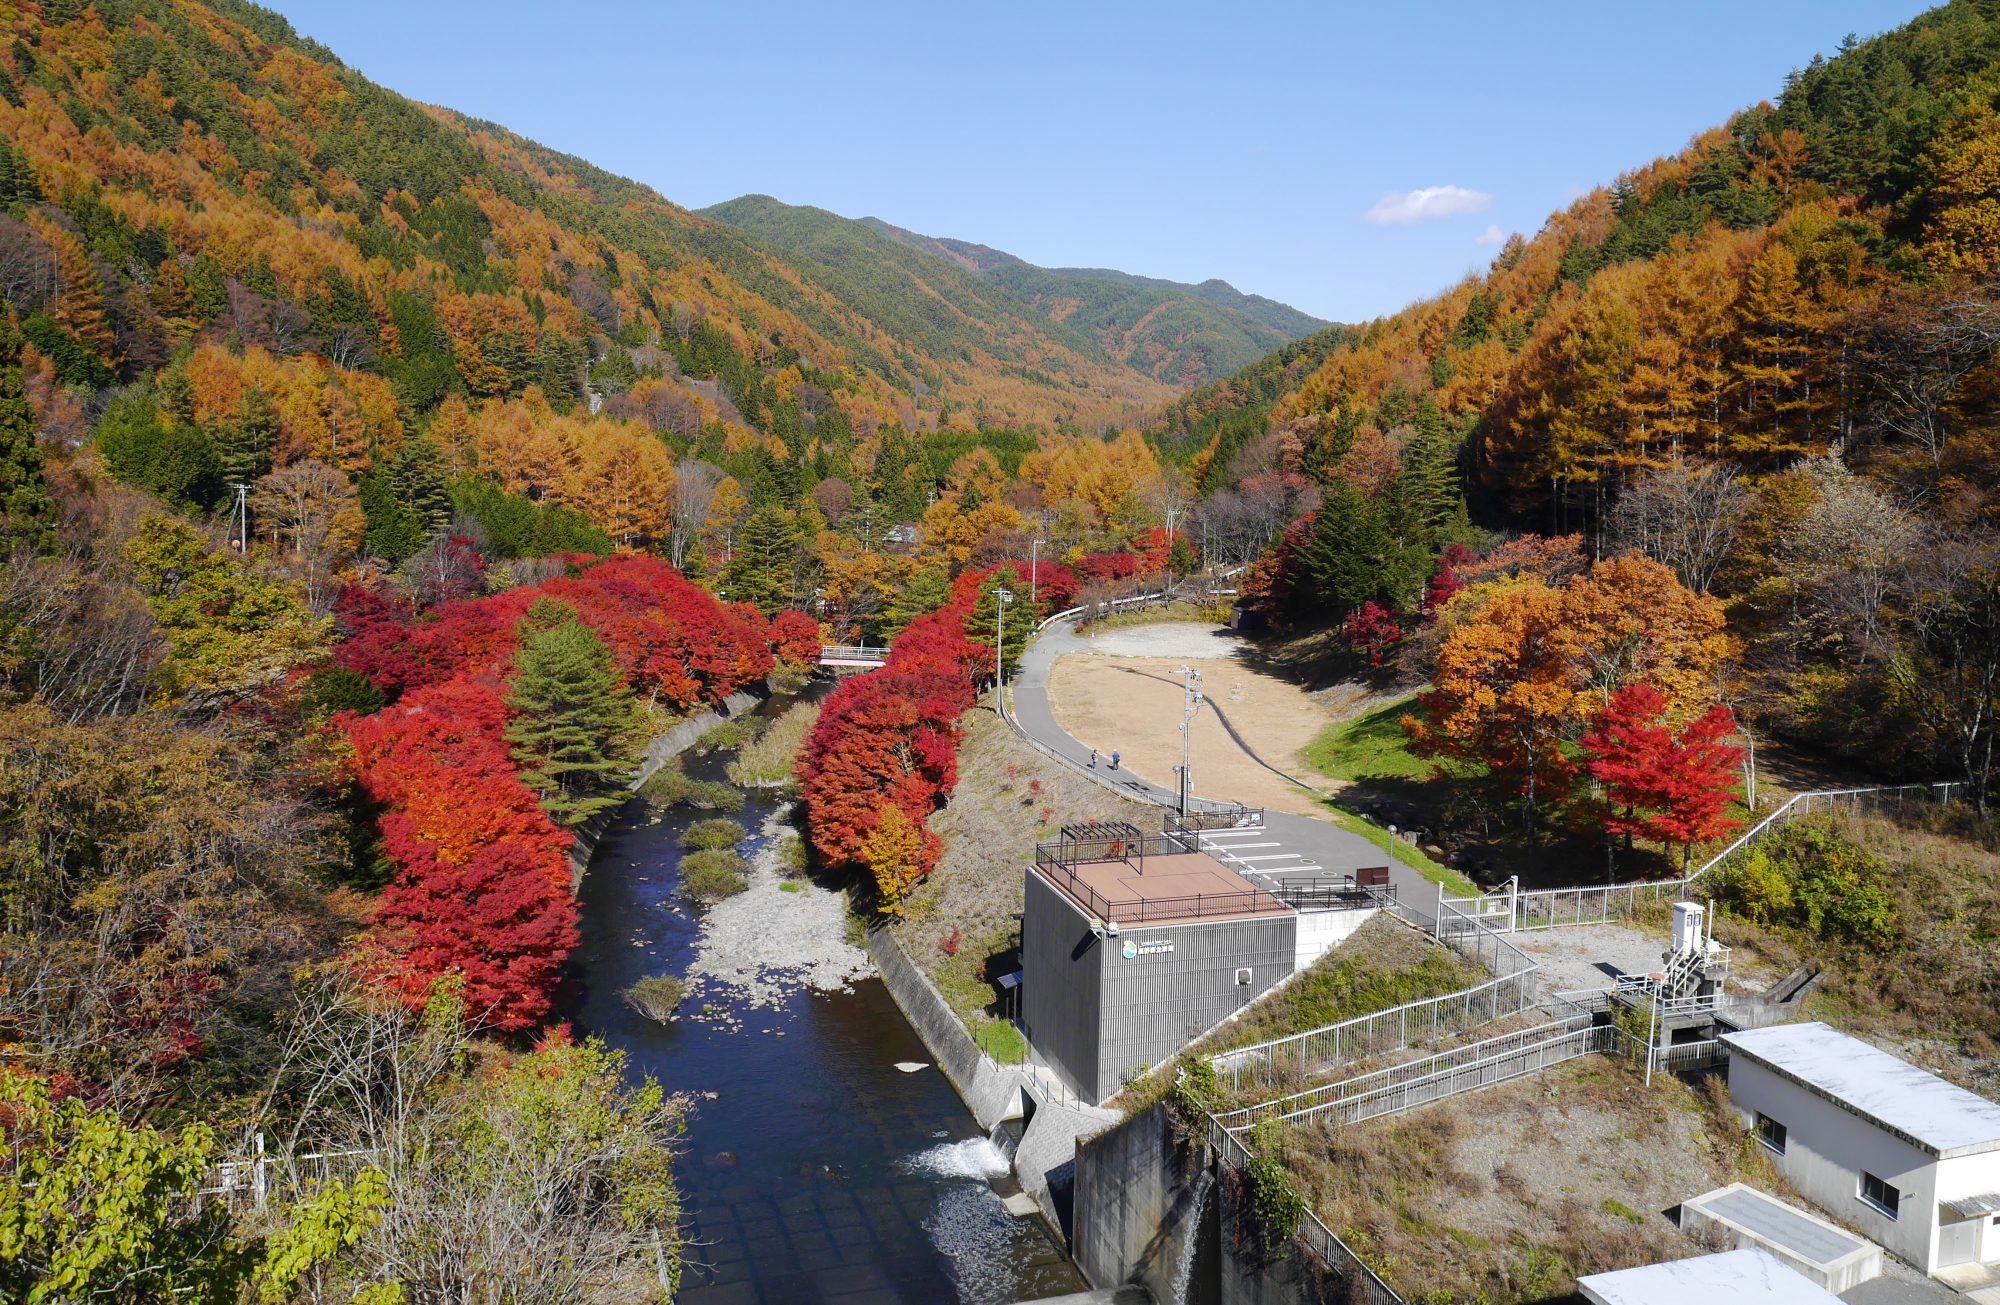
{"type": "Point", "coordinates": [1746, 1277]}
{"type": "Point", "coordinates": [1913, 1103]}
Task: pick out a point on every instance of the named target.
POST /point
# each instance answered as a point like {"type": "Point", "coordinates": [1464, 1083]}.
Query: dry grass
{"type": "Point", "coordinates": [1934, 994]}
{"type": "Point", "coordinates": [1507, 1195]}
{"type": "Point", "coordinates": [767, 762]}
{"type": "Point", "coordinates": [1009, 796]}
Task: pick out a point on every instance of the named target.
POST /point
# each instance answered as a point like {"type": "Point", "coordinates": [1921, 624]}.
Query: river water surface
{"type": "Point", "coordinates": [818, 1171]}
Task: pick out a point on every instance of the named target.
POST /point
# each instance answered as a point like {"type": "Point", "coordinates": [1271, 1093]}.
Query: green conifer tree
{"type": "Point", "coordinates": [760, 571]}
{"type": "Point", "coordinates": [1017, 626]}
{"type": "Point", "coordinates": [575, 729]}
{"type": "Point", "coordinates": [27, 513]}
{"type": "Point", "coordinates": [244, 444]}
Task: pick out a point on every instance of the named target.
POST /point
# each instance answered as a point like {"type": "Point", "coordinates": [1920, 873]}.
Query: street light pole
{"type": "Point", "coordinates": [999, 643]}
{"type": "Point", "coordinates": [1034, 568]}
{"type": "Point", "coordinates": [1190, 704]}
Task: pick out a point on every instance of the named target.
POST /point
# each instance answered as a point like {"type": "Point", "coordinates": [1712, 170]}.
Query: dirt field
{"type": "Point", "coordinates": [1125, 696]}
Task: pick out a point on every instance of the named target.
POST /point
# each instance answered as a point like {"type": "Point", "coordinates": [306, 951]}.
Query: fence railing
{"type": "Point", "coordinates": [1548, 908]}
{"type": "Point", "coordinates": [1366, 1286]}
{"type": "Point", "coordinates": [1681, 1057]}
{"type": "Point", "coordinates": [253, 1180]}
{"type": "Point", "coordinates": [852, 653]}
{"type": "Point", "coordinates": [1511, 989]}
{"type": "Point", "coordinates": [1432, 1078]}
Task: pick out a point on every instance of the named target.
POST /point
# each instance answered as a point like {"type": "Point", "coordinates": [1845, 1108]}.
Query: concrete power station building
{"type": "Point", "coordinates": [1134, 944]}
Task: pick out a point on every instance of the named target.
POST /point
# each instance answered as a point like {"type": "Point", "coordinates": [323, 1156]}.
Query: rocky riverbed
{"type": "Point", "coordinates": [779, 935]}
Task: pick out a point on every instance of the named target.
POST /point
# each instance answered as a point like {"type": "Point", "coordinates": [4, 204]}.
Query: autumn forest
{"type": "Point", "coordinates": [376, 486]}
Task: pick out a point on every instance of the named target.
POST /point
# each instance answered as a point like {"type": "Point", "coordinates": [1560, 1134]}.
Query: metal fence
{"type": "Point", "coordinates": [1365, 1285]}
{"type": "Point", "coordinates": [1511, 989]}
{"type": "Point", "coordinates": [1427, 1079]}
{"type": "Point", "coordinates": [1549, 908]}
{"type": "Point", "coordinates": [252, 1180]}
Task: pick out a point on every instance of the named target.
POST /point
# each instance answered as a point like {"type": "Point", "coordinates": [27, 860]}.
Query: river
{"type": "Point", "coordinates": [816, 1170]}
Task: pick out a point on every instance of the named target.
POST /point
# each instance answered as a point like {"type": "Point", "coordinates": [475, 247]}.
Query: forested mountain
{"type": "Point", "coordinates": [409, 243]}
{"type": "Point", "coordinates": [1181, 335]}
{"type": "Point", "coordinates": [1768, 362]}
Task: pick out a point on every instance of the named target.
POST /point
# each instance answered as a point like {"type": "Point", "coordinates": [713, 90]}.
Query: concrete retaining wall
{"type": "Point", "coordinates": [989, 1092]}
{"type": "Point", "coordinates": [1154, 1207]}
{"type": "Point", "coordinates": [657, 754]}
{"type": "Point", "coordinates": [992, 1092]}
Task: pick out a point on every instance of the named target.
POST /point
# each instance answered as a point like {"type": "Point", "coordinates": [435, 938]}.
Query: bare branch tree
{"type": "Point", "coordinates": [1683, 515]}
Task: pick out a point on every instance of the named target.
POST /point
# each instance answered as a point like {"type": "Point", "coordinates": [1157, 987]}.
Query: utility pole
{"type": "Point", "coordinates": [1005, 596]}
{"type": "Point", "coordinates": [242, 517]}
{"type": "Point", "coordinates": [1034, 569]}
{"type": "Point", "coordinates": [1190, 704]}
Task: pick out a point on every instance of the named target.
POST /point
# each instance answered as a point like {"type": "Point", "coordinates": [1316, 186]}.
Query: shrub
{"type": "Point", "coordinates": [668, 786]}
{"type": "Point", "coordinates": [657, 996]}
{"type": "Point", "coordinates": [728, 734]}
{"type": "Point", "coordinates": [711, 876]}
{"type": "Point", "coordinates": [708, 835]}
{"type": "Point", "coordinates": [1810, 877]}
{"type": "Point", "coordinates": [714, 795]}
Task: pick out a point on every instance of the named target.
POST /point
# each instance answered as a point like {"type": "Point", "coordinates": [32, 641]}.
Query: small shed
{"type": "Point", "coordinates": [1746, 1277]}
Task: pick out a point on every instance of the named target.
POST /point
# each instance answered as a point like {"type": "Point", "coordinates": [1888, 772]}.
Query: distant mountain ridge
{"type": "Point", "coordinates": [1169, 332]}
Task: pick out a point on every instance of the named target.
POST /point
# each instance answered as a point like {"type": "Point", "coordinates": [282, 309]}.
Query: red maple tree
{"type": "Point", "coordinates": [1673, 788]}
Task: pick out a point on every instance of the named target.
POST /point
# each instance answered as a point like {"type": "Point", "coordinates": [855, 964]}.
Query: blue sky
{"type": "Point", "coordinates": [1343, 158]}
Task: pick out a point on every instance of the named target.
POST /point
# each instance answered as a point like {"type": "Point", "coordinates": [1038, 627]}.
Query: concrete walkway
{"type": "Point", "coordinates": [1295, 844]}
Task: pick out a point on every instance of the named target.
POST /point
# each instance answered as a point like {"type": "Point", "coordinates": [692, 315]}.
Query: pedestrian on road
{"type": "Point", "coordinates": [1114, 761]}
{"type": "Point", "coordinates": [1093, 758]}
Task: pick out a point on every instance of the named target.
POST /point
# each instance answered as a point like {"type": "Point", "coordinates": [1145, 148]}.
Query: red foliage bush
{"type": "Point", "coordinates": [795, 638]}
{"type": "Point", "coordinates": [1371, 631]}
{"type": "Point", "coordinates": [482, 888]}
{"type": "Point", "coordinates": [890, 738]}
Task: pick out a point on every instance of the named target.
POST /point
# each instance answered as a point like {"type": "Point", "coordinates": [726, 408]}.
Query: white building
{"type": "Point", "coordinates": [1885, 1147]}
{"type": "Point", "coordinates": [1745, 1277]}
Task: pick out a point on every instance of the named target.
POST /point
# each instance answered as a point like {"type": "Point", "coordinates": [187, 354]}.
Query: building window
{"type": "Point", "coordinates": [1879, 1194]}
{"type": "Point", "coordinates": [1771, 1133]}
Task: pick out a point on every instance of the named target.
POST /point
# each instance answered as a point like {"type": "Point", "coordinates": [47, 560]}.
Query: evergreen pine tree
{"type": "Point", "coordinates": [245, 443]}
{"type": "Point", "coordinates": [575, 728]}
{"type": "Point", "coordinates": [27, 513]}
{"type": "Point", "coordinates": [1017, 626]}
{"type": "Point", "coordinates": [926, 591]}
{"type": "Point", "coordinates": [421, 478]}
{"type": "Point", "coordinates": [760, 571]}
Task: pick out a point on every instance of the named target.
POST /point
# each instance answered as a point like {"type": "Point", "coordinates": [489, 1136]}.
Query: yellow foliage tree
{"type": "Point", "coordinates": [893, 853]}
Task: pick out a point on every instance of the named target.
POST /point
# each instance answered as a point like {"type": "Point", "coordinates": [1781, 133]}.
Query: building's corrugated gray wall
{"type": "Point", "coordinates": [1059, 977]}
{"type": "Point", "coordinates": [1156, 1001]}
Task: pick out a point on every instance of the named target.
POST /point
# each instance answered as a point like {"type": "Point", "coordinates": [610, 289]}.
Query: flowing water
{"type": "Point", "coordinates": [818, 1171]}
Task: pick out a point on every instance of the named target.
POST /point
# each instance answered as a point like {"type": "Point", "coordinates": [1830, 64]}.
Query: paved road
{"type": "Point", "coordinates": [1286, 844]}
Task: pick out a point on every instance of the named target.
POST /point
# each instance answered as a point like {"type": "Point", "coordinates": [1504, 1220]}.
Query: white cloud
{"type": "Point", "coordinates": [1404, 207]}
{"type": "Point", "coordinates": [1493, 235]}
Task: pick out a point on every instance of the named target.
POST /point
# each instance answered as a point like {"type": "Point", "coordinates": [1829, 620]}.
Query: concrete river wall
{"type": "Point", "coordinates": [1154, 1206]}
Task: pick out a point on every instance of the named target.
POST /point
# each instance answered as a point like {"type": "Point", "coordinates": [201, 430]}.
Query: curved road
{"type": "Point", "coordinates": [1287, 843]}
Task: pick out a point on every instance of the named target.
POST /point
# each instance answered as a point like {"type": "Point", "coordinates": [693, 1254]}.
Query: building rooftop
{"type": "Point", "coordinates": [1746, 1277]}
{"type": "Point", "coordinates": [1778, 1225]}
{"type": "Point", "coordinates": [1912, 1103]}
{"type": "Point", "coordinates": [1160, 888]}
